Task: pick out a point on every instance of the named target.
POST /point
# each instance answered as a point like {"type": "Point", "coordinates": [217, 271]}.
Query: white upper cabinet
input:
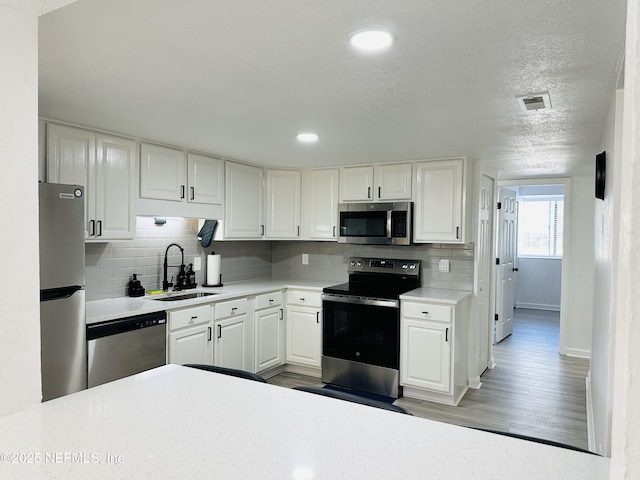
{"type": "Point", "coordinates": [376, 183]}
{"type": "Point", "coordinates": [356, 184]}
{"type": "Point", "coordinates": [244, 197]}
{"type": "Point", "coordinates": [162, 173]}
{"type": "Point", "coordinates": [106, 166]}
{"type": "Point", "coordinates": [205, 177]}
{"type": "Point", "coordinates": [440, 207]}
{"type": "Point", "coordinates": [320, 204]}
{"type": "Point", "coordinates": [283, 204]}
{"type": "Point", "coordinates": [393, 182]}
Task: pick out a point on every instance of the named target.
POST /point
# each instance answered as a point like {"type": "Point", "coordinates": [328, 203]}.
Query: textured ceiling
{"type": "Point", "coordinates": [241, 78]}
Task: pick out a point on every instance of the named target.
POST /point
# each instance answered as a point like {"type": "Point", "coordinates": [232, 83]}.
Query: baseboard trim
{"type": "Point", "coordinates": [577, 352]}
{"type": "Point", "coordinates": [591, 442]}
{"type": "Point", "coordinates": [538, 306]}
{"type": "Point", "coordinates": [475, 383]}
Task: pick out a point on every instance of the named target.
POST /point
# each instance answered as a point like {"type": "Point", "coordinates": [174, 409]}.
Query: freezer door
{"type": "Point", "coordinates": [61, 235]}
{"type": "Point", "coordinates": [63, 345]}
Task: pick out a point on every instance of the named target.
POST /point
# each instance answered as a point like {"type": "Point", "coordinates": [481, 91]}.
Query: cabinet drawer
{"type": "Point", "coordinates": [189, 317]}
{"type": "Point", "coordinates": [271, 299]}
{"type": "Point", "coordinates": [231, 308]}
{"type": "Point", "coordinates": [427, 311]}
{"type": "Point", "coordinates": [304, 297]}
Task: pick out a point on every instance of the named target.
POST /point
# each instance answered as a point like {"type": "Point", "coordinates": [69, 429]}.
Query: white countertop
{"type": "Point", "coordinates": [109, 309]}
{"type": "Point", "coordinates": [176, 422]}
{"type": "Point", "coordinates": [439, 295]}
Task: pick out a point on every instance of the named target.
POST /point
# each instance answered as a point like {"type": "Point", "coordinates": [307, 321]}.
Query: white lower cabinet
{"type": "Point", "coordinates": [191, 336]}
{"type": "Point", "coordinates": [304, 328]}
{"type": "Point", "coordinates": [269, 331]}
{"type": "Point", "coordinates": [233, 339]}
{"type": "Point", "coordinates": [433, 350]}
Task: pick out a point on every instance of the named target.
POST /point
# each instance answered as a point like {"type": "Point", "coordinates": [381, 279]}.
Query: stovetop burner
{"type": "Point", "coordinates": [379, 278]}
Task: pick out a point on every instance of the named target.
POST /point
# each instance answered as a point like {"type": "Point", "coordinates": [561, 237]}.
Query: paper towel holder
{"type": "Point", "coordinates": [217, 285]}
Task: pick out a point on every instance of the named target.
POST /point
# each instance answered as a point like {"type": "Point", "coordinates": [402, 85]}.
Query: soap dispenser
{"type": "Point", "coordinates": [135, 289]}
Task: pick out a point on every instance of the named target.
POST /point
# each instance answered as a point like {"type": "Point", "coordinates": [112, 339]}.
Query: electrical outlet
{"type": "Point", "coordinates": [305, 259]}
{"type": "Point", "coordinates": [197, 263]}
{"type": "Point", "coordinates": [443, 266]}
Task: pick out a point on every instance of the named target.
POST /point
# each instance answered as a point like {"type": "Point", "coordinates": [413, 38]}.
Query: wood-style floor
{"type": "Point", "coordinates": [532, 390]}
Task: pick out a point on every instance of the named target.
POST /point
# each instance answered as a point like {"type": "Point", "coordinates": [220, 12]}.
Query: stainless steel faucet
{"type": "Point", "coordinates": [165, 283]}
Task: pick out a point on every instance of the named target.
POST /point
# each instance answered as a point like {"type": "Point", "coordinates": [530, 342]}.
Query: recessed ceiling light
{"type": "Point", "coordinates": [371, 40]}
{"type": "Point", "coordinates": [307, 137]}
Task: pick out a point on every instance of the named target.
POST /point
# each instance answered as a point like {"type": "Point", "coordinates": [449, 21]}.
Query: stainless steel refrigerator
{"type": "Point", "coordinates": [62, 294]}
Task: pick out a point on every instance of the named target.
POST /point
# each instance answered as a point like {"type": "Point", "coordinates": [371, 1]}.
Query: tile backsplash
{"type": "Point", "coordinates": [109, 266]}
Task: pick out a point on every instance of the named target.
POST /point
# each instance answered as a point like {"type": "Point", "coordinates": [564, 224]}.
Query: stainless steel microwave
{"type": "Point", "coordinates": [375, 223]}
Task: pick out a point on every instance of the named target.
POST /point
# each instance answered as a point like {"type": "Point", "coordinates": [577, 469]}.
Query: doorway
{"type": "Point", "coordinates": [535, 279]}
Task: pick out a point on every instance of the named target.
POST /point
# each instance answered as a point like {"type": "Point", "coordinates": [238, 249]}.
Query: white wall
{"type": "Point", "coordinates": [538, 283]}
{"type": "Point", "coordinates": [625, 462]}
{"type": "Point", "coordinates": [578, 260]}
{"type": "Point", "coordinates": [605, 240]}
{"type": "Point", "coordinates": [19, 295]}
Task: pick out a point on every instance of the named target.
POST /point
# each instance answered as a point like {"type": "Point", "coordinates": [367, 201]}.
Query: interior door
{"type": "Point", "coordinates": [482, 321]}
{"type": "Point", "coordinates": [506, 263]}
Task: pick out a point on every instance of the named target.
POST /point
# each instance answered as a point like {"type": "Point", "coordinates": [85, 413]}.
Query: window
{"type": "Point", "coordinates": [540, 220]}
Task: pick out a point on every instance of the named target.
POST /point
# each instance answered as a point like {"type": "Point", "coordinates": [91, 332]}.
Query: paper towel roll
{"type": "Point", "coordinates": [213, 270]}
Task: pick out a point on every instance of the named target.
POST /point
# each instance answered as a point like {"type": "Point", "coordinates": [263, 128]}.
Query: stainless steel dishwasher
{"type": "Point", "coordinates": [126, 346]}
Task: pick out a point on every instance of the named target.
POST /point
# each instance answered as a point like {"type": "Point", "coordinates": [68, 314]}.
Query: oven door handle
{"type": "Point", "coordinates": [361, 301]}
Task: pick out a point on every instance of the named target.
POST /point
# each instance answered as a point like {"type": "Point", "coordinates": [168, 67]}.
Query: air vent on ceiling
{"type": "Point", "coordinates": [534, 102]}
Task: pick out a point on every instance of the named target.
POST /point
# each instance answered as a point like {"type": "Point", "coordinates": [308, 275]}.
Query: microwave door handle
{"type": "Point", "coordinates": [389, 213]}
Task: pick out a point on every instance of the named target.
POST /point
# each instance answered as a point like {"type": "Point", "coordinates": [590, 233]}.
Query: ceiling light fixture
{"type": "Point", "coordinates": [371, 40]}
{"type": "Point", "coordinates": [307, 137]}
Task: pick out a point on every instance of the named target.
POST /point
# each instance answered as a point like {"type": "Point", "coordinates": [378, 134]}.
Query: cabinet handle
{"type": "Point", "coordinates": [426, 313]}
{"type": "Point", "coordinates": [446, 335]}
{"type": "Point", "coordinates": [99, 234]}
{"type": "Point", "coordinates": [193, 318]}
{"type": "Point", "coordinates": [209, 335]}
{"type": "Point", "coordinates": [93, 227]}
{"type": "Point", "coordinates": [458, 233]}
{"type": "Point", "coordinates": [317, 317]}
{"type": "Point", "coordinates": [281, 314]}
{"type": "Point", "coordinates": [334, 231]}
{"type": "Point", "coordinates": [368, 192]}
{"type": "Point", "coordinates": [219, 331]}
{"type": "Point", "coordinates": [181, 191]}
{"type": "Point", "coordinates": [271, 300]}
{"type": "Point", "coordinates": [193, 193]}
{"type": "Point", "coordinates": [261, 229]}
{"type": "Point", "coordinates": [301, 299]}
{"type": "Point", "coordinates": [379, 192]}
{"type": "Point", "coordinates": [233, 310]}
{"type": "Point", "coordinates": [298, 230]}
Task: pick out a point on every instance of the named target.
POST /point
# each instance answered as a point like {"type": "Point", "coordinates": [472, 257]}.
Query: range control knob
{"type": "Point", "coordinates": [352, 263]}
{"type": "Point", "coordinates": [405, 266]}
{"type": "Point", "coordinates": [412, 266]}
{"type": "Point", "coordinates": [359, 263]}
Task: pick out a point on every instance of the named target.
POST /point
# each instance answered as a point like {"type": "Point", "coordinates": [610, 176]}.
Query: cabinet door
{"type": "Point", "coordinates": [229, 350]}
{"type": "Point", "coordinates": [243, 201]}
{"type": "Point", "coordinates": [425, 355]}
{"type": "Point", "coordinates": [438, 209]}
{"type": "Point", "coordinates": [393, 182]}
{"type": "Point", "coordinates": [205, 176]}
{"type": "Point", "coordinates": [191, 345]}
{"type": "Point", "coordinates": [114, 196]}
{"type": "Point", "coordinates": [269, 338]}
{"type": "Point", "coordinates": [356, 184]}
{"type": "Point", "coordinates": [71, 154]}
{"type": "Point", "coordinates": [304, 336]}
{"type": "Point", "coordinates": [321, 204]}
{"type": "Point", "coordinates": [162, 173]}
{"type": "Point", "coordinates": [283, 204]}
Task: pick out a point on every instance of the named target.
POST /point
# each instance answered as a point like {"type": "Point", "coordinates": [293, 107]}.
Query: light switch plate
{"type": "Point", "coordinates": [305, 259]}
{"type": "Point", "coordinates": [197, 263]}
{"type": "Point", "coordinates": [443, 266]}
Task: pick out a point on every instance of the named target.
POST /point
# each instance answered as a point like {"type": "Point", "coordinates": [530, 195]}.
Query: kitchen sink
{"type": "Point", "coordinates": [172, 297]}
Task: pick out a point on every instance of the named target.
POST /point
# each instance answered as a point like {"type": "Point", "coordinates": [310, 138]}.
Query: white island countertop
{"type": "Point", "coordinates": [177, 422]}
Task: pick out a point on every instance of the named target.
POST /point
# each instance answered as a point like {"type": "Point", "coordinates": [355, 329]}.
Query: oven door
{"type": "Point", "coordinates": [361, 330]}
